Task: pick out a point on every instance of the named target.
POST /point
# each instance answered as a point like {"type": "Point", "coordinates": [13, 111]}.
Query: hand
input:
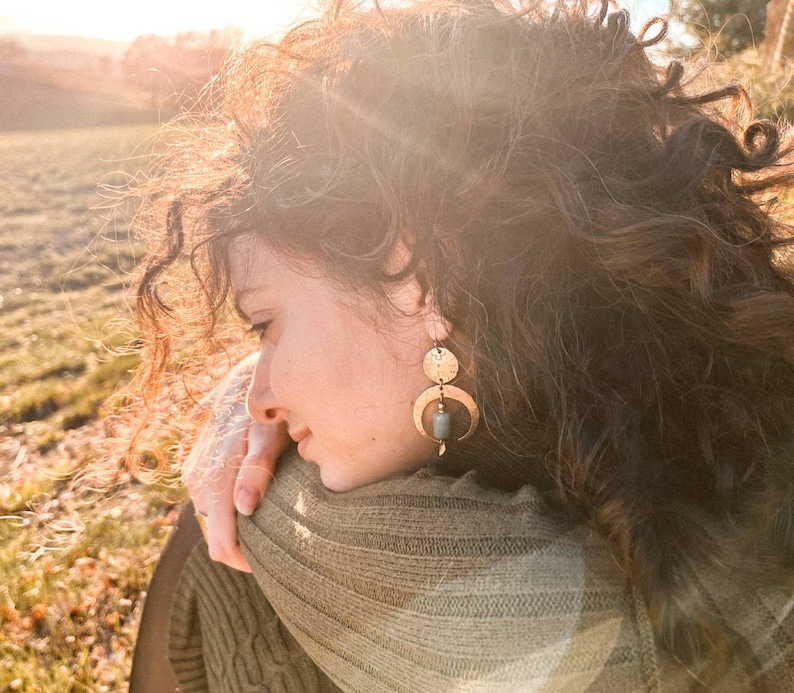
{"type": "Point", "coordinates": [231, 463]}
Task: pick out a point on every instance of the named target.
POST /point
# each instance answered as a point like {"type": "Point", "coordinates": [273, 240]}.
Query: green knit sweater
{"type": "Point", "coordinates": [429, 583]}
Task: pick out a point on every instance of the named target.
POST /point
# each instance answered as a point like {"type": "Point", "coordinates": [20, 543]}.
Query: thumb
{"type": "Point", "coordinates": [266, 442]}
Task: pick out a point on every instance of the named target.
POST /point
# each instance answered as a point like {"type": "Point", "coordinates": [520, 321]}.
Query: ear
{"type": "Point", "coordinates": [438, 327]}
{"type": "Point", "coordinates": [411, 295]}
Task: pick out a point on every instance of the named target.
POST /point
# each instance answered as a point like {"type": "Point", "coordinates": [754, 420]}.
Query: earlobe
{"type": "Point", "coordinates": [438, 327]}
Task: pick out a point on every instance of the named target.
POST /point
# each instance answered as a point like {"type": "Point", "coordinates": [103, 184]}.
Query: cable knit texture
{"type": "Point", "coordinates": [430, 583]}
{"type": "Point", "coordinates": [226, 638]}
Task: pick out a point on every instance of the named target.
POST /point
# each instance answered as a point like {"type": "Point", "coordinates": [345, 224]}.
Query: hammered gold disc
{"type": "Point", "coordinates": [450, 392]}
{"type": "Point", "coordinates": [440, 365]}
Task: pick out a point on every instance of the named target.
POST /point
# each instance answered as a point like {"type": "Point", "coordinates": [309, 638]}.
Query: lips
{"type": "Point", "coordinates": [299, 434]}
{"type": "Point", "coordinates": [302, 446]}
{"type": "Point", "coordinates": [301, 437]}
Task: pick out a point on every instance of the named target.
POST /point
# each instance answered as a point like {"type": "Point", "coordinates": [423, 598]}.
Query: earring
{"type": "Point", "coordinates": [441, 366]}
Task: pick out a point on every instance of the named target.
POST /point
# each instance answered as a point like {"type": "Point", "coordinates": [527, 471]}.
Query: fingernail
{"type": "Point", "coordinates": [247, 500]}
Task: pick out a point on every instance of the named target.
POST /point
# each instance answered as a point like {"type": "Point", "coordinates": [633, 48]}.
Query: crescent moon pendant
{"type": "Point", "coordinates": [450, 392]}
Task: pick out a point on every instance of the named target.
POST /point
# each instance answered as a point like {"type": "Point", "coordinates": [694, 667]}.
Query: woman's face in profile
{"type": "Point", "coordinates": [340, 371]}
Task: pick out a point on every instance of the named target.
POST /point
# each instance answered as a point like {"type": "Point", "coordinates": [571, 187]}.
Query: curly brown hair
{"type": "Point", "coordinates": [609, 243]}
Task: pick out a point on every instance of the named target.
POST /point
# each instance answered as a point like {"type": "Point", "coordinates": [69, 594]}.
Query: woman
{"type": "Point", "coordinates": [603, 249]}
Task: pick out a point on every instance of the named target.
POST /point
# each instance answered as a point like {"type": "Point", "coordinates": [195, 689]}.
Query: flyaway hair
{"type": "Point", "coordinates": [609, 238]}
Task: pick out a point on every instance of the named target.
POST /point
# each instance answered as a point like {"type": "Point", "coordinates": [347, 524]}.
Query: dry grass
{"type": "Point", "coordinates": [75, 557]}
{"type": "Point", "coordinates": [74, 566]}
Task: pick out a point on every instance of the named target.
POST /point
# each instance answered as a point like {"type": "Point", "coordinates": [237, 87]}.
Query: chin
{"type": "Point", "coordinates": [336, 482]}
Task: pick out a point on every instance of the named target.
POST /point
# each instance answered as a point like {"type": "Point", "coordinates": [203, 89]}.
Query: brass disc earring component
{"type": "Point", "coordinates": [441, 366]}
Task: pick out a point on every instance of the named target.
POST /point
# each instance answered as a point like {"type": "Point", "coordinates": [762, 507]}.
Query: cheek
{"type": "Point", "coordinates": [282, 375]}
{"type": "Point", "coordinates": [304, 377]}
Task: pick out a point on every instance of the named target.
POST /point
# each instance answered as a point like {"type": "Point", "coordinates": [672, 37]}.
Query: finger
{"type": "Point", "coordinates": [222, 537]}
{"type": "Point", "coordinates": [215, 464]}
{"type": "Point", "coordinates": [266, 442]}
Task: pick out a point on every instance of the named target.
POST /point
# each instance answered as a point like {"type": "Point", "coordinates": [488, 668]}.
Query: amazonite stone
{"type": "Point", "coordinates": [442, 425]}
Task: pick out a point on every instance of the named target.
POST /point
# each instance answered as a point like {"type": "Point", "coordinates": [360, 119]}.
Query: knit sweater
{"type": "Point", "coordinates": [431, 583]}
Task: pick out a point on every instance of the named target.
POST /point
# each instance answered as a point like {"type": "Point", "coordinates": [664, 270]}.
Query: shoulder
{"type": "Point", "coordinates": [428, 582]}
{"type": "Point", "coordinates": [446, 582]}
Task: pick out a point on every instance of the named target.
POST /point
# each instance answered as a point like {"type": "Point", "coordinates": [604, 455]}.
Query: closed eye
{"type": "Point", "coordinates": [260, 329]}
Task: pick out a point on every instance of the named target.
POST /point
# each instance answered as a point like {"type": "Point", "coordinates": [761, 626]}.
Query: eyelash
{"type": "Point", "coordinates": [260, 329]}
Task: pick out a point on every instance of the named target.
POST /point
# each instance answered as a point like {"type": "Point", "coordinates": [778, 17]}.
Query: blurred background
{"type": "Point", "coordinates": [83, 87]}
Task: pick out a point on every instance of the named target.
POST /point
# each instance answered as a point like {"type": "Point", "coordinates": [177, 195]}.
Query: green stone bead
{"type": "Point", "coordinates": [442, 425]}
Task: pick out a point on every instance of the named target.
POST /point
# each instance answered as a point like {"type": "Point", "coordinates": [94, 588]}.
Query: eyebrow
{"type": "Point", "coordinates": [239, 310]}
{"type": "Point", "coordinates": [238, 299]}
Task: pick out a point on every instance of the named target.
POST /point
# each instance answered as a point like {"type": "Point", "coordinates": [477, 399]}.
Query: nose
{"type": "Point", "coordinates": [261, 402]}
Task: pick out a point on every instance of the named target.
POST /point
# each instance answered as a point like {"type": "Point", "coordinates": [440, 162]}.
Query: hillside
{"type": "Point", "coordinates": [49, 82]}
{"type": "Point", "coordinates": [31, 100]}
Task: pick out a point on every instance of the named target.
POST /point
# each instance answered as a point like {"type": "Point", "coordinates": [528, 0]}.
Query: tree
{"type": "Point", "coordinates": [174, 70]}
{"type": "Point", "coordinates": [11, 49]}
{"type": "Point", "coordinates": [729, 26]}
{"type": "Point", "coordinates": [145, 64]}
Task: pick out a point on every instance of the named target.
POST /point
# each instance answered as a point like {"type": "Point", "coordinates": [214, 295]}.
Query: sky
{"type": "Point", "coordinates": [123, 21]}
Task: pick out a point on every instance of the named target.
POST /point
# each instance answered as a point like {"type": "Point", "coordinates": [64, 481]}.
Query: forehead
{"type": "Point", "coordinates": [255, 269]}
{"type": "Point", "coordinates": [261, 274]}
{"type": "Point", "coordinates": [250, 263]}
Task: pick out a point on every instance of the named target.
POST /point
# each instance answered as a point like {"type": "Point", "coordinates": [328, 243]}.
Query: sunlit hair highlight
{"type": "Point", "coordinates": [608, 239]}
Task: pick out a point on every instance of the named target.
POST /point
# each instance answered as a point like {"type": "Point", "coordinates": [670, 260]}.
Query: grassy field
{"type": "Point", "coordinates": [74, 560]}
